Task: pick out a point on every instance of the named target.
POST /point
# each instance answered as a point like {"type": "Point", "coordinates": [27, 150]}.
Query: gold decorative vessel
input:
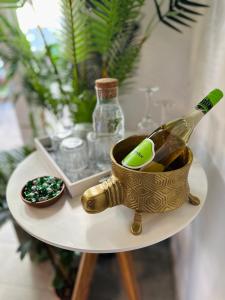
{"type": "Point", "coordinates": [149, 192]}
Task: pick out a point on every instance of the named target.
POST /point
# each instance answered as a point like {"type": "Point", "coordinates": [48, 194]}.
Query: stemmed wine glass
{"type": "Point", "coordinates": [147, 124]}
{"type": "Point", "coordinates": [165, 105]}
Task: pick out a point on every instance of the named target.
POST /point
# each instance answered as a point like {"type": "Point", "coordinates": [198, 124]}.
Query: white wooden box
{"type": "Point", "coordinates": [74, 188]}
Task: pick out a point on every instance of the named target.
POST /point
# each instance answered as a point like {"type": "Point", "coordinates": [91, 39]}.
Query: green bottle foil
{"type": "Point", "coordinates": [209, 101]}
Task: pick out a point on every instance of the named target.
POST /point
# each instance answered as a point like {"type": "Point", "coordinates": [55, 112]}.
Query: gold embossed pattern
{"type": "Point", "coordinates": [153, 192]}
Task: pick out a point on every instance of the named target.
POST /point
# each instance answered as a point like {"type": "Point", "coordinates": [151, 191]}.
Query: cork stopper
{"type": "Point", "coordinates": [106, 87]}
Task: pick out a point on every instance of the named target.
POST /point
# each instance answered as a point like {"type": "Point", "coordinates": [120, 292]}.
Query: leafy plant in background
{"type": "Point", "coordinates": [8, 162]}
{"type": "Point", "coordinates": [64, 263]}
{"type": "Point", "coordinates": [98, 38]}
{"type": "Point", "coordinates": [11, 3]}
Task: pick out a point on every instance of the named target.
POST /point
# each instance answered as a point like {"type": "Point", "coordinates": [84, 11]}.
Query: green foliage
{"type": "Point", "coordinates": [11, 3]}
{"type": "Point", "coordinates": [8, 162]}
{"type": "Point", "coordinates": [76, 38]}
{"type": "Point", "coordinates": [64, 262]}
{"type": "Point", "coordinates": [36, 76]}
{"type": "Point", "coordinates": [83, 106]}
{"type": "Point", "coordinates": [98, 38]}
{"type": "Point", "coordinates": [67, 263]}
{"type": "Point", "coordinates": [111, 22]}
{"type": "Point", "coordinates": [114, 29]}
{"type": "Point", "coordinates": [24, 248]}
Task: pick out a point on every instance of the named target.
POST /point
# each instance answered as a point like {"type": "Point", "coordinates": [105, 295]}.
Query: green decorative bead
{"type": "Point", "coordinates": [42, 188]}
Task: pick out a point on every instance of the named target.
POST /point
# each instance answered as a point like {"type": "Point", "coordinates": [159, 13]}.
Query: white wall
{"type": "Point", "coordinates": [200, 249]}
{"type": "Point", "coordinates": [164, 63]}
{"type": "Point", "coordinates": [186, 67]}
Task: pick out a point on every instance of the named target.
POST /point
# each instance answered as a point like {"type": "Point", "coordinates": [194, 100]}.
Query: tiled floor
{"type": "Point", "coordinates": [21, 280]}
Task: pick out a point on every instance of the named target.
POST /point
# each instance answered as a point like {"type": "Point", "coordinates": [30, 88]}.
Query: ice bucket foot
{"type": "Point", "coordinates": [193, 199]}
{"type": "Point", "coordinates": [136, 226]}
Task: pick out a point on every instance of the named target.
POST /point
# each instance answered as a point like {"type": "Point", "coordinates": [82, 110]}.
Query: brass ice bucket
{"type": "Point", "coordinates": [148, 192]}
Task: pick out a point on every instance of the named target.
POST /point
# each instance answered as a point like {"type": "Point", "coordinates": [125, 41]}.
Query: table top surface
{"type": "Point", "coordinates": [66, 225]}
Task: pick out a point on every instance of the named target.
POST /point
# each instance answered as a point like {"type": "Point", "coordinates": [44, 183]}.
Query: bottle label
{"type": "Point", "coordinates": [142, 155]}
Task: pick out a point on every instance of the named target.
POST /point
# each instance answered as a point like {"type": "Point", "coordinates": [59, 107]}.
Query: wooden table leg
{"type": "Point", "coordinates": [84, 276]}
{"type": "Point", "coordinates": [128, 275]}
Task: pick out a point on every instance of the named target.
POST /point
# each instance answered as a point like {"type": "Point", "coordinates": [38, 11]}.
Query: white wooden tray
{"type": "Point", "coordinates": [74, 188]}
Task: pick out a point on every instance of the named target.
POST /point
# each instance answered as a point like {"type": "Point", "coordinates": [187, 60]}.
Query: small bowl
{"type": "Point", "coordinates": [43, 203]}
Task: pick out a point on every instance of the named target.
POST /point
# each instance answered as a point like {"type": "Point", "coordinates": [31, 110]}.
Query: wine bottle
{"type": "Point", "coordinates": [158, 151]}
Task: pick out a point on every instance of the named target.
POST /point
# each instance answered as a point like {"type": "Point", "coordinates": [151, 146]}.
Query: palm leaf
{"type": "Point", "coordinates": [125, 63]}
{"type": "Point", "coordinates": [75, 36]}
{"type": "Point", "coordinates": [11, 3]}
{"type": "Point", "coordinates": [178, 11]}
{"type": "Point", "coordinates": [114, 27]}
{"type": "Point", "coordinates": [8, 162]}
{"type": "Point", "coordinates": [30, 64]}
{"type": "Point", "coordinates": [110, 19]}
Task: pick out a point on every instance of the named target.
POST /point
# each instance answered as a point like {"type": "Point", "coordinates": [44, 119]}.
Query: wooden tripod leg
{"type": "Point", "coordinates": [128, 275]}
{"type": "Point", "coordinates": [84, 276]}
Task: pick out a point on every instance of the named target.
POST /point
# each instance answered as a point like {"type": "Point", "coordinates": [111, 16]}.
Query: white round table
{"type": "Point", "coordinates": [66, 225]}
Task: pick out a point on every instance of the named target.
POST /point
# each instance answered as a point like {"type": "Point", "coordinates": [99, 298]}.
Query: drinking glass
{"type": "Point", "coordinates": [99, 150]}
{"type": "Point", "coordinates": [73, 157]}
{"type": "Point", "coordinates": [147, 124]}
{"type": "Point", "coordinates": [56, 139]}
{"type": "Point", "coordinates": [165, 105]}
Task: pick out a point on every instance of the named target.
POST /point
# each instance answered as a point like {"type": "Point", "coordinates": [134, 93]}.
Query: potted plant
{"type": "Point", "coordinates": [97, 39]}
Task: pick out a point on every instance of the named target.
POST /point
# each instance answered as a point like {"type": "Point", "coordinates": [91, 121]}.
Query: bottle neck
{"type": "Point", "coordinates": [194, 117]}
{"type": "Point", "coordinates": [107, 95]}
{"type": "Point", "coordinates": [191, 121]}
{"type": "Point", "coordinates": [113, 100]}
{"type": "Point", "coordinates": [203, 107]}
